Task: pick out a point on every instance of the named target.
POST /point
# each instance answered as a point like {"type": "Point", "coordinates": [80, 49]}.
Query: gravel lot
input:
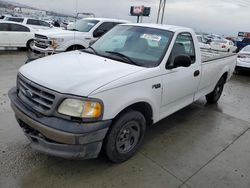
{"type": "Point", "coordinates": [199, 146]}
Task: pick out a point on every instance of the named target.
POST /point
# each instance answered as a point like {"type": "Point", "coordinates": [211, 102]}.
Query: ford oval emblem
{"type": "Point", "coordinates": [29, 94]}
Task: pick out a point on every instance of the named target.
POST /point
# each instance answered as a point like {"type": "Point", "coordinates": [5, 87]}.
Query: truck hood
{"type": "Point", "coordinates": [59, 32]}
{"type": "Point", "coordinates": [76, 72]}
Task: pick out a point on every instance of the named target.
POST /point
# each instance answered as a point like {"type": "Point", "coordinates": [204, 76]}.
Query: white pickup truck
{"type": "Point", "coordinates": [74, 104]}
{"type": "Point", "coordinates": [84, 31]}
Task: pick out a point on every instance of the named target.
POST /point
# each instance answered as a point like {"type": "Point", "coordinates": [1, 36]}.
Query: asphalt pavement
{"type": "Point", "coordinates": [199, 146]}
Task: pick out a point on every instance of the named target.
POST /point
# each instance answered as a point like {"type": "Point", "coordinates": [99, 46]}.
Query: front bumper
{"type": "Point", "coordinates": [48, 50]}
{"type": "Point", "coordinates": [59, 137]}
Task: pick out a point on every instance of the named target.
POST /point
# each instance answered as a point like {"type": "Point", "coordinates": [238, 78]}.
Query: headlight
{"type": "Point", "coordinates": [81, 108]}
{"type": "Point", "coordinates": [58, 40]}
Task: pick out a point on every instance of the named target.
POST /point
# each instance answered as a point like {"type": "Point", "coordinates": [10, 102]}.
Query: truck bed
{"type": "Point", "coordinates": [210, 55]}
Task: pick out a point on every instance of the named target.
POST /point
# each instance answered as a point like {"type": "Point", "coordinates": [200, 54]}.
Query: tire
{"type": "Point", "coordinates": [29, 44]}
{"type": "Point", "coordinates": [215, 95]}
{"type": "Point", "coordinates": [236, 70]}
{"type": "Point", "coordinates": [125, 136]}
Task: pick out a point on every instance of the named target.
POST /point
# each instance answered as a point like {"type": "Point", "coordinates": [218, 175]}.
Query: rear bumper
{"type": "Point", "coordinates": [242, 65]}
{"type": "Point", "coordinates": [80, 141]}
{"type": "Point", "coordinates": [239, 68]}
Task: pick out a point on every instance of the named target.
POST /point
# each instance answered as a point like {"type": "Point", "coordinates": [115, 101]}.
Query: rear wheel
{"type": "Point", "coordinates": [214, 96]}
{"type": "Point", "coordinates": [125, 136]}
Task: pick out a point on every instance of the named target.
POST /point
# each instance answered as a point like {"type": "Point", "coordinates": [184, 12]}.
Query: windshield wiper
{"type": "Point", "coordinates": [93, 51]}
{"type": "Point", "coordinates": [129, 60]}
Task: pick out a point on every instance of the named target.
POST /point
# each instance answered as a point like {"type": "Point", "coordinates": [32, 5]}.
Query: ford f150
{"type": "Point", "coordinates": [74, 104]}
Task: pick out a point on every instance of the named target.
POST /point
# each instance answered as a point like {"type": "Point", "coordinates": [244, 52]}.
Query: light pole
{"type": "Point", "coordinates": [161, 11]}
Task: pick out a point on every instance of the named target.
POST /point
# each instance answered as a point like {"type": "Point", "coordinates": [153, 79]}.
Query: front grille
{"type": "Point", "coordinates": [37, 97]}
{"type": "Point", "coordinates": [41, 37]}
{"type": "Point", "coordinates": [42, 41]}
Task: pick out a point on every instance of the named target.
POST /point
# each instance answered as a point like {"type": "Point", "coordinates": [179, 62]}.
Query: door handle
{"type": "Point", "coordinates": [196, 73]}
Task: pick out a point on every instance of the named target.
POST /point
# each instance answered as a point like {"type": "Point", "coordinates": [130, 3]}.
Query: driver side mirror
{"type": "Point", "coordinates": [182, 61]}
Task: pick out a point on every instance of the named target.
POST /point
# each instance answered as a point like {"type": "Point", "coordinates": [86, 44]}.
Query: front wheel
{"type": "Point", "coordinates": [30, 44]}
{"type": "Point", "coordinates": [214, 96]}
{"type": "Point", "coordinates": [125, 136]}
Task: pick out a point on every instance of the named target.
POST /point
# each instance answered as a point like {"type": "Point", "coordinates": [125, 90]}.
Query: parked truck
{"type": "Point", "coordinates": [78, 37]}
{"type": "Point", "coordinates": [75, 104]}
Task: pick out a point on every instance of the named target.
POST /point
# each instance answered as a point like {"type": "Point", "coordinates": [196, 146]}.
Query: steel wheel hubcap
{"type": "Point", "coordinates": [128, 137]}
{"type": "Point", "coordinates": [219, 90]}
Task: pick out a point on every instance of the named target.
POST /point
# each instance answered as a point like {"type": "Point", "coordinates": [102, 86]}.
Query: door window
{"type": "Point", "coordinates": [4, 27]}
{"type": "Point", "coordinates": [45, 24]}
{"type": "Point", "coordinates": [184, 45]}
{"type": "Point", "coordinates": [12, 19]}
{"type": "Point", "coordinates": [103, 28]}
{"type": "Point", "coordinates": [33, 22]}
{"type": "Point", "coordinates": [18, 28]}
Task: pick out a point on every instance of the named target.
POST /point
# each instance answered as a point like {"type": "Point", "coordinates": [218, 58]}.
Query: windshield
{"type": "Point", "coordinates": [142, 46]}
{"type": "Point", "coordinates": [84, 25]}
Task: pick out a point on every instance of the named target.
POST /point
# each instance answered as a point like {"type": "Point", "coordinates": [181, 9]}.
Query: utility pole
{"type": "Point", "coordinates": [161, 11]}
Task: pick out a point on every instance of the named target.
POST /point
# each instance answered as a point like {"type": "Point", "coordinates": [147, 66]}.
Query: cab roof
{"type": "Point", "coordinates": [172, 28]}
{"type": "Point", "coordinates": [108, 19]}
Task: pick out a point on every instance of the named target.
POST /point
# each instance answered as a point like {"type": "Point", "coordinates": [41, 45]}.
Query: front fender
{"type": "Point", "coordinates": [73, 42]}
{"type": "Point", "coordinates": [117, 99]}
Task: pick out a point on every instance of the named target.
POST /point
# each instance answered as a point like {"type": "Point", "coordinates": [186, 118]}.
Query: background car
{"type": "Point", "coordinates": [16, 35]}
{"type": "Point", "coordinates": [223, 45]}
{"type": "Point", "coordinates": [34, 23]}
{"type": "Point", "coordinates": [203, 42]}
{"type": "Point", "coordinates": [213, 37]}
{"type": "Point", "coordinates": [243, 59]}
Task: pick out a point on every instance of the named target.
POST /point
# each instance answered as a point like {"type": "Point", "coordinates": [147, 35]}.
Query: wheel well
{"type": "Point", "coordinates": [77, 46]}
{"type": "Point", "coordinates": [225, 76]}
{"type": "Point", "coordinates": [142, 107]}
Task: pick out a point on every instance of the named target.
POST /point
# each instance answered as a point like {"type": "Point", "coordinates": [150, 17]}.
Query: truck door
{"type": "Point", "coordinates": [181, 83]}
{"type": "Point", "coordinates": [4, 34]}
{"type": "Point", "coordinates": [18, 35]}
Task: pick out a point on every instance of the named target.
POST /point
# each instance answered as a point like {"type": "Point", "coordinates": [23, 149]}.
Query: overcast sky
{"type": "Point", "coordinates": [217, 16]}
